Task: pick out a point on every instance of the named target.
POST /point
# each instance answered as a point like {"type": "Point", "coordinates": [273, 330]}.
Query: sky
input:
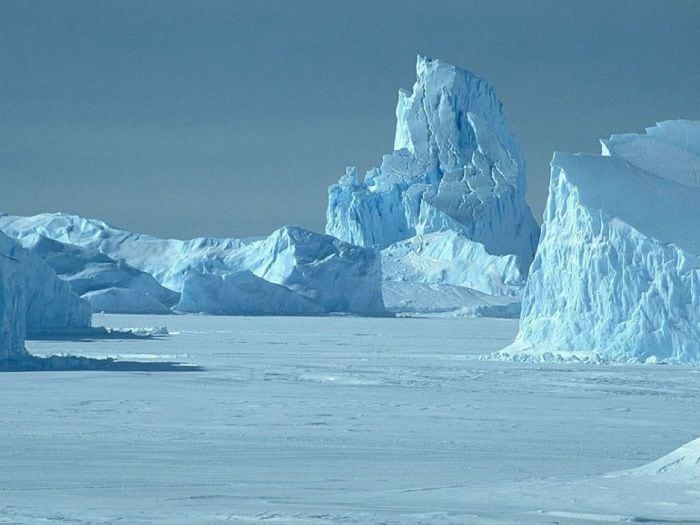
{"type": "Point", "coordinates": [232, 118]}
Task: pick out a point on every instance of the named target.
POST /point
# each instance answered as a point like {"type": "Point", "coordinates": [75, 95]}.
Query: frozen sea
{"type": "Point", "coordinates": [339, 420]}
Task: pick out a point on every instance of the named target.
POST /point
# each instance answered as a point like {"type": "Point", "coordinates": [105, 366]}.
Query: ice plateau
{"type": "Point", "coordinates": [33, 301]}
{"type": "Point", "coordinates": [324, 273]}
{"type": "Point", "coordinates": [455, 166]}
{"type": "Point", "coordinates": [617, 272]}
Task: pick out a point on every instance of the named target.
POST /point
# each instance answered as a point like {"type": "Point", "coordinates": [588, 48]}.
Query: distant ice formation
{"type": "Point", "coordinates": [119, 271]}
{"type": "Point", "coordinates": [110, 286]}
{"type": "Point", "coordinates": [241, 293]}
{"type": "Point", "coordinates": [617, 272]}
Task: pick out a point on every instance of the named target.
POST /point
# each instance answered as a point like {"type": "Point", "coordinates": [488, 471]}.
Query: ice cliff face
{"type": "Point", "coordinates": [333, 275]}
{"type": "Point", "coordinates": [455, 166]}
{"type": "Point", "coordinates": [33, 300]}
{"type": "Point", "coordinates": [617, 272]}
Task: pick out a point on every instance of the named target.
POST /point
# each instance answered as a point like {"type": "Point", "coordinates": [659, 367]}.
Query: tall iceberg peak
{"type": "Point", "coordinates": [455, 166]}
{"type": "Point", "coordinates": [435, 119]}
{"type": "Point", "coordinates": [617, 272]}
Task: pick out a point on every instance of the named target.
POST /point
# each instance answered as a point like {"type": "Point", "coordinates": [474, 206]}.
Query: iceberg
{"type": "Point", "coordinates": [124, 301]}
{"type": "Point", "coordinates": [336, 276]}
{"type": "Point", "coordinates": [241, 293]}
{"type": "Point", "coordinates": [33, 301]}
{"type": "Point", "coordinates": [110, 286]}
{"type": "Point", "coordinates": [445, 300]}
{"type": "Point", "coordinates": [450, 258]}
{"type": "Point", "coordinates": [617, 273]}
{"type": "Point", "coordinates": [455, 166]}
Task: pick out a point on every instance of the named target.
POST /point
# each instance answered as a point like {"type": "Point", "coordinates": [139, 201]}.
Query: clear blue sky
{"type": "Point", "coordinates": [231, 118]}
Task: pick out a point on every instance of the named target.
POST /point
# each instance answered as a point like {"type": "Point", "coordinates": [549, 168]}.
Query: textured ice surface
{"type": "Point", "coordinates": [455, 166]}
{"type": "Point", "coordinates": [336, 276]}
{"type": "Point", "coordinates": [33, 300]}
{"type": "Point", "coordinates": [331, 420]}
{"type": "Point", "coordinates": [617, 272]}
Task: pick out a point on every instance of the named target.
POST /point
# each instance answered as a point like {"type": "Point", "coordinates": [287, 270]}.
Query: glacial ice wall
{"type": "Point", "coordinates": [455, 166]}
{"type": "Point", "coordinates": [33, 300]}
{"type": "Point", "coordinates": [617, 271]}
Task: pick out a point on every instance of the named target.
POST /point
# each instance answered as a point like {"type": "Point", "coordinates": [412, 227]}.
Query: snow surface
{"type": "Point", "coordinates": [331, 420]}
{"type": "Point", "coordinates": [336, 276]}
{"type": "Point", "coordinates": [617, 272]}
{"type": "Point", "coordinates": [33, 301]}
{"type": "Point", "coordinates": [455, 166]}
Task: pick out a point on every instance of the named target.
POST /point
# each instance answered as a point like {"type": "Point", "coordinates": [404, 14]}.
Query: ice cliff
{"type": "Point", "coordinates": [617, 272]}
{"type": "Point", "coordinates": [326, 274]}
{"type": "Point", "coordinates": [33, 301]}
{"type": "Point", "coordinates": [455, 166]}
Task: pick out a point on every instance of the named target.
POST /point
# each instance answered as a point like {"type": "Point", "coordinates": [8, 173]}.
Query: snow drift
{"type": "Point", "coordinates": [617, 272]}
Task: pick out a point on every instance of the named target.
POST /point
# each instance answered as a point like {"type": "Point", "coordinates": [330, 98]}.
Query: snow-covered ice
{"type": "Point", "coordinates": [331, 420]}
{"type": "Point", "coordinates": [617, 272]}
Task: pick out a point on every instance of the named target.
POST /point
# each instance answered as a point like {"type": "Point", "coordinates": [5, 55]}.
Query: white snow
{"type": "Point", "coordinates": [329, 420]}
{"type": "Point", "coordinates": [617, 272]}
{"type": "Point", "coordinates": [335, 275]}
{"type": "Point", "coordinates": [455, 166]}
